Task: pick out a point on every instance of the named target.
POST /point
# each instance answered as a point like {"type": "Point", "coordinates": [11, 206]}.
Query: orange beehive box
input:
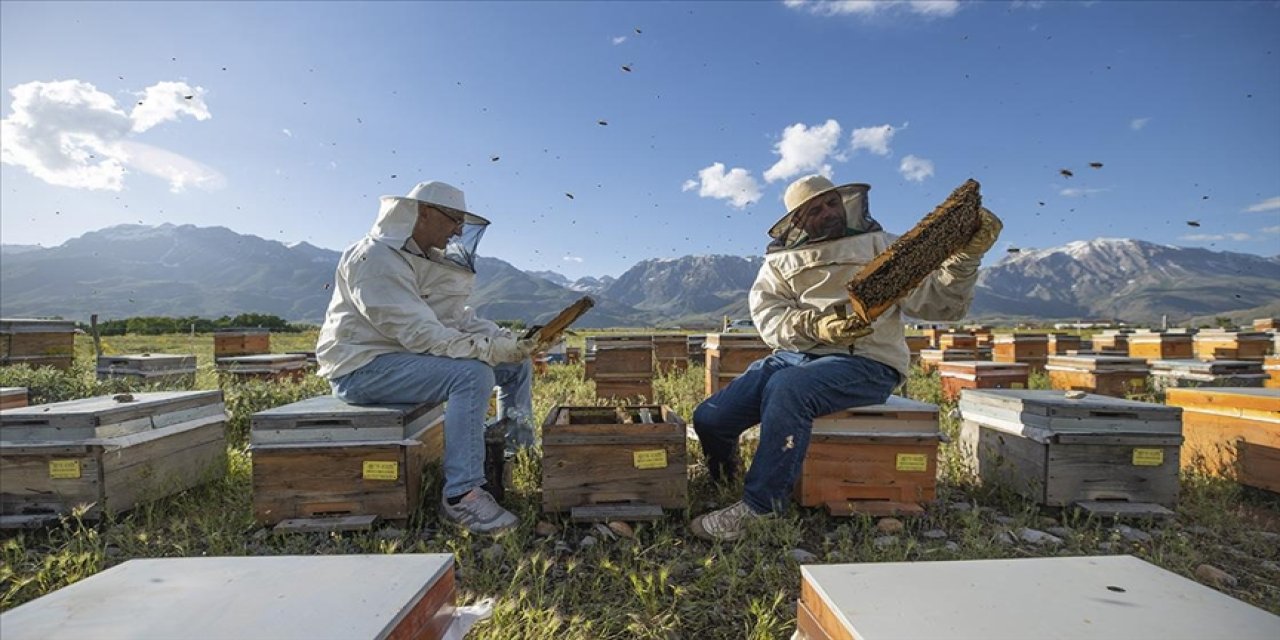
{"type": "Point", "coordinates": [1116, 340]}
{"type": "Point", "coordinates": [877, 460]}
{"type": "Point", "coordinates": [13, 397]}
{"type": "Point", "coordinates": [631, 355]}
{"type": "Point", "coordinates": [931, 358]}
{"type": "Point", "coordinates": [1215, 344]}
{"type": "Point", "coordinates": [229, 343]}
{"type": "Point", "coordinates": [1060, 343]}
{"type": "Point", "coordinates": [1028, 348]}
{"type": "Point", "coordinates": [914, 345]}
{"type": "Point", "coordinates": [1266, 324]}
{"type": "Point", "coordinates": [1272, 366]}
{"type": "Point", "coordinates": [1161, 346]}
{"type": "Point", "coordinates": [957, 340]}
{"type": "Point", "coordinates": [728, 355]}
{"type": "Point", "coordinates": [1114, 376]}
{"type": "Point", "coordinates": [976, 374]}
{"type": "Point", "coordinates": [1231, 431]}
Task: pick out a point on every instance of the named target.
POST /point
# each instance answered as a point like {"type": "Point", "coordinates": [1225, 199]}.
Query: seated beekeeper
{"type": "Point", "coordinates": [399, 330]}
{"type": "Point", "coordinates": [822, 361]}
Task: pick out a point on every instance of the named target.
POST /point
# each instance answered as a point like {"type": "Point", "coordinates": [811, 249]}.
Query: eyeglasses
{"type": "Point", "coordinates": [456, 218]}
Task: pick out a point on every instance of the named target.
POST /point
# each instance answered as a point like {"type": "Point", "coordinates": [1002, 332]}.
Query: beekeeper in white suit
{"type": "Point", "coordinates": [399, 330]}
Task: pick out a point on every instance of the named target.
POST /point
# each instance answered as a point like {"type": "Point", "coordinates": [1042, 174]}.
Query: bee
{"type": "Point", "coordinates": [1096, 165]}
{"type": "Point", "coordinates": [1193, 223]}
{"type": "Point", "coordinates": [627, 68]}
{"type": "Point", "coordinates": [568, 195]}
{"type": "Point", "coordinates": [1066, 172]}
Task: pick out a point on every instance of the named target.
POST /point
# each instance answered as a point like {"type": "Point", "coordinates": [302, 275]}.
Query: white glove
{"type": "Point", "coordinates": [503, 349]}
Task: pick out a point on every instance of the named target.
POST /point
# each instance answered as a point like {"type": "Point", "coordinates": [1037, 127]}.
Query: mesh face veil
{"type": "Point", "coordinates": [461, 249]}
{"type": "Point", "coordinates": [832, 214]}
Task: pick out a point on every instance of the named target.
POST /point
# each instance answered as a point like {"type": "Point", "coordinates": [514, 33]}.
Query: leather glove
{"type": "Point", "coordinates": [831, 328]}
{"type": "Point", "coordinates": [503, 349]}
{"type": "Point", "coordinates": [985, 237]}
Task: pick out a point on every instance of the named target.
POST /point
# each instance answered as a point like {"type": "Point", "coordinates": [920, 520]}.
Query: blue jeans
{"type": "Point", "coordinates": [783, 393]}
{"type": "Point", "coordinates": [410, 378]}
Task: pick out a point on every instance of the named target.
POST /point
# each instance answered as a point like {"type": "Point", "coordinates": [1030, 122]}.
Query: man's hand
{"type": "Point", "coordinates": [503, 349]}
{"type": "Point", "coordinates": [985, 237]}
{"type": "Point", "coordinates": [831, 328]}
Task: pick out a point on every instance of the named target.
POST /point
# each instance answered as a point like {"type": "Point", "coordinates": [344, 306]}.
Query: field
{"type": "Point", "coordinates": [661, 582]}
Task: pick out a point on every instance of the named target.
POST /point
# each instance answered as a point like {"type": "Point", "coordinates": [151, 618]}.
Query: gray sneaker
{"type": "Point", "coordinates": [478, 512]}
{"type": "Point", "coordinates": [727, 524]}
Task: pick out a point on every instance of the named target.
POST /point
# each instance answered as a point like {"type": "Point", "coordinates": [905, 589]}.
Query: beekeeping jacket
{"type": "Point", "coordinates": [390, 296]}
{"type": "Point", "coordinates": [799, 274]}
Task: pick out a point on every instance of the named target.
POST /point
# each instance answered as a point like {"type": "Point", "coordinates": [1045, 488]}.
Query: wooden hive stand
{"type": "Point", "coordinates": [12, 397]}
{"type": "Point", "coordinates": [398, 596]}
{"type": "Point", "coordinates": [977, 374]}
{"type": "Point", "coordinates": [323, 464]}
{"type": "Point", "coordinates": [1106, 456]}
{"type": "Point", "coordinates": [1232, 431]}
{"type": "Point", "coordinates": [229, 343]}
{"type": "Point", "coordinates": [614, 463]}
{"type": "Point", "coordinates": [37, 342]}
{"type": "Point", "coordinates": [266, 366]}
{"type": "Point", "coordinates": [623, 367]}
{"type": "Point", "coordinates": [877, 460]}
{"type": "Point", "coordinates": [728, 355]}
{"type": "Point", "coordinates": [1070, 597]}
{"type": "Point", "coordinates": [149, 368]}
{"type": "Point", "coordinates": [1115, 376]}
{"type": "Point", "coordinates": [1166, 374]}
{"type": "Point", "coordinates": [110, 453]}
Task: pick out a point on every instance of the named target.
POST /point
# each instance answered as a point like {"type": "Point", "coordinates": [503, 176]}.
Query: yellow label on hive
{"type": "Point", "coordinates": [656, 459]}
{"type": "Point", "coordinates": [381, 470]}
{"type": "Point", "coordinates": [64, 469]}
{"type": "Point", "coordinates": [1017, 385]}
{"type": "Point", "coordinates": [1148, 457]}
{"type": "Point", "coordinates": [912, 462]}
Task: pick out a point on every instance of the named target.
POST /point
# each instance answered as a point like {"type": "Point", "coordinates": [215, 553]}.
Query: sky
{"type": "Point", "coordinates": [596, 135]}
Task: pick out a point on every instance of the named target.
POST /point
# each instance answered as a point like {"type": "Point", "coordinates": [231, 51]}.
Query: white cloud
{"type": "Point", "coordinates": [569, 258]}
{"type": "Point", "coordinates": [804, 149]}
{"type": "Point", "coordinates": [915, 169]}
{"type": "Point", "coordinates": [1207, 237]}
{"type": "Point", "coordinates": [1027, 4]}
{"type": "Point", "coordinates": [619, 39]}
{"type": "Point", "coordinates": [287, 132]}
{"type": "Point", "coordinates": [874, 139]}
{"type": "Point", "coordinates": [1270, 204]}
{"type": "Point", "coordinates": [867, 8]}
{"type": "Point", "coordinates": [737, 185]}
{"type": "Point", "coordinates": [70, 134]}
{"type": "Point", "coordinates": [1275, 229]}
{"type": "Point", "coordinates": [1080, 192]}
{"type": "Point", "coordinates": [1138, 123]}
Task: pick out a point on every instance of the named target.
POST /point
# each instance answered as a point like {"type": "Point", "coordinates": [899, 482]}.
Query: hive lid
{"type": "Point", "coordinates": [326, 419]}
{"type": "Point", "coordinates": [897, 415]}
{"type": "Point", "coordinates": [1080, 362]}
{"type": "Point", "coordinates": [106, 417]}
{"type": "Point", "coordinates": [12, 392]}
{"type": "Point", "coordinates": [336, 596]}
{"type": "Point", "coordinates": [1039, 414]}
{"type": "Point", "coordinates": [36, 325]}
{"type": "Point", "coordinates": [735, 340]}
{"type": "Point", "coordinates": [1215, 367]}
{"type": "Point", "coordinates": [166, 362]}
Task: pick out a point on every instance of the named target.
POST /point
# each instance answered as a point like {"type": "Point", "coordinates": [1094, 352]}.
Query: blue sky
{"type": "Point", "coordinates": [301, 114]}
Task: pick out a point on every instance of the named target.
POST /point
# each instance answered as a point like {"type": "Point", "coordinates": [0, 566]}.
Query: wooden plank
{"type": "Point", "coordinates": [828, 620]}
{"type": "Point", "coordinates": [432, 615]}
{"type": "Point", "coordinates": [616, 512]}
{"type": "Point", "coordinates": [171, 461]}
{"type": "Point", "coordinates": [1119, 510]}
{"type": "Point", "coordinates": [325, 525]}
{"type": "Point", "coordinates": [1227, 401]}
{"type": "Point", "coordinates": [1005, 459]}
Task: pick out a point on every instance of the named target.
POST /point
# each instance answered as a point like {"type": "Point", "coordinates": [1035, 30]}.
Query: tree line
{"type": "Point", "coordinates": [157, 325]}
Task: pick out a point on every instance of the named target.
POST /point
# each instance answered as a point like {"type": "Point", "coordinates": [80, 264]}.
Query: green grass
{"type": "Point", "coordinates": [663, 583]}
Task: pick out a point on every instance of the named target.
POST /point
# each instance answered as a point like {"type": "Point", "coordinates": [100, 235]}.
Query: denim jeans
{"type": "Point", "coordinates": [783, 393]}
{"type": "Point", "coordinates": [465, 384]}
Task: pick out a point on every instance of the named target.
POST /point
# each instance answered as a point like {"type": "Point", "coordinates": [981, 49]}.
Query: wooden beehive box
{"type": "Point", "coordinates": [931, 358]}
{"type": "Point", "coordinates": [229, 343]}
{"type": "Point", "coordinates": [37, 342]}
{"type": "Point", "coordinates": [322, 458]}
{"type": "Point", "coordinates": [1202, 373]}
{"type": "Point", "coordinates": [623, 367]}
{"type": "Point", "coordinates": [108, 453]}
{"type": "Point", "coordinates": [573, 355]}
{"type": "Point", "coordinates": [977, 374]}
{"type": "Point", "coordinates": [1031, 349]}
{"type": "Point", "coordinates": [1161, 346]}
{"type": "Point", "coordinates": [1092, 452]}
{"type": "Point", "coordinates": [670, 352]}
{"type": "Point", "coordinates": [1266, 324]}
{"type": "Point", "coordinates": [1232, 345]}
{"type": "Point", "coordinates": [879, 460]}
{"type": "Point", "coordinates": [149, 368]}
{"type": "Point", "coordinates": [728, 356]}
{"type": "Point", "coordinates": [1272, 366]}
{"type": "Point", "coordinates": [628, 462]}
{"type": "Point", "coordinates": [1018, 599]}
{"type": "Point", "coordinates": [932, 334]}
{"type": "Point", "coordinates": [375, 596]}
{"type": "Point", "coordinates": [957, 340]}
{"type": "Point", "coordinates": [1232, 431]}
{"type": "Point", "coordinates": [1107, 375]}
{"type": "Point", "coordinates": [1116, 340]}
{"type": "Point", "coordinates": [914, 345]}
{"type": "Point", "coordinates": [1060, 343]}
{"type": "Point", "coordinates": [266, 366]}
{"type": "Point", "coordinates": [12, 397]}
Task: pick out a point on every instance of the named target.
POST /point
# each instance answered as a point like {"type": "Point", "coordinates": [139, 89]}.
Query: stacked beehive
{"type": "Point", "coordinates": [240, 342]}
{"type": "Point", "coordinates": [1061, 343]}
{"type": "Point", "coordinates": [930, 359]}
{"type": "Point", "coordinates": [1219, 344]}
{"type": "Point", "coordinates": [1266, 324]}
{"type": "Point", "coordinates": [107, 453]}
{"type": "Point", "coordinates": [1112, 342]}
{"type": "Point", "coordinates": [976, 374]}
{"type": "Point", "coordinates": [1091, 451]}
{"type": "Point", "coordinates": [915, 344]}
{"type": "Point", "coordinates": [728, 356]}
{"type": "Point", "coordinates": [1159, 345]}
{"type": "Point", "coordinates": [957, 340]}
{"type": "Point", "coordinates": [1200, 373]}
{"type": "Point", "coordinates": [12, 397]}
{"type": "Point", "coordinates": [1031, 349]}
{"type": "Point", "coordinates": [878, 460]}
{"type": "Point", "coordinates": [1115, 376]}
{"type": "Point", "coordinates": [325, 463]}
{"type": "Point", "coordinates": [1235, 432]}
{"type": "Point", "coordinates": [624, 462]}
{"type": "Point", "coordinates": [149, 368]}
{"type": "Point", "coordinates": [623, 366]}
{"type": "Point", "coordinates": [37, 342]}
{"type": "Point", "coordinates": [1272, 367]}
{"type": "Point", "coordinates": [670, 352]}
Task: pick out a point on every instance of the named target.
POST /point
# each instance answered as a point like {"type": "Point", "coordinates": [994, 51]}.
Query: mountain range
{"type": "Point", "coordinates": [133, 270]}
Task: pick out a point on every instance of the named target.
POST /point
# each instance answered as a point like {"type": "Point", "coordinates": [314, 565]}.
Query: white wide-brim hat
{"type": "Point", "coordinates": [445, 196]}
